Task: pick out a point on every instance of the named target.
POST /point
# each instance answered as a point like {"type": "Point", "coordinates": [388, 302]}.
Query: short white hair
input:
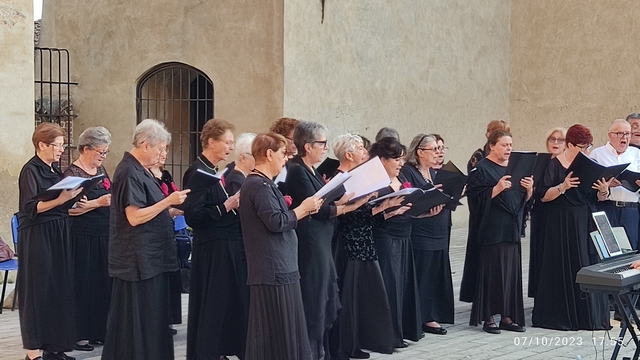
{"type": "Point", "coordinates": [345, 143]}
{"type": "Point", "coordinates": [152, 131]}
{"type": "Point", "coordinates": [243, 144]}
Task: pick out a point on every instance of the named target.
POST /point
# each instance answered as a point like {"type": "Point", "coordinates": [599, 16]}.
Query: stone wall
{"type": "Point", "coordinates": [16, 96]}
{"type": "Point", "coordinates": [572, 61]}
{"type": "Point", "coordinates": [418, 66]}
{"type": "Point", "coordinates": [236, 43]}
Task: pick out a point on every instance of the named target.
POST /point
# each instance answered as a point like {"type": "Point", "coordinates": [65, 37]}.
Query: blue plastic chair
{"type": "Point", "coordinates": [10, 265]}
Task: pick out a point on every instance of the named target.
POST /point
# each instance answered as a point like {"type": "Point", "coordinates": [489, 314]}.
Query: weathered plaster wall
{"type": "Point", "coordinates": [418, 66]}
{"type": "Point", "coordinates": [16, 96]}
{"type": "Point", "coordinates": [237, 43]}
{"type": "Point", "coordinates": [572, 61]}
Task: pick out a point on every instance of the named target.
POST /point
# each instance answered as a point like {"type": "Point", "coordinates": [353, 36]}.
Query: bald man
{"type": "Point", "coordinates": [621, 206]}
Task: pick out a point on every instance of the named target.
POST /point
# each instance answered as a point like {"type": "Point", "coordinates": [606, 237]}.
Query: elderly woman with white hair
{"type": "Point", "coordinates": [365, 317]}
{"type": "Point", "coordinates": [142, 252]}
{"type": "Point", "coordinates": [245, 162]}
{"type": "Point", "coordinates": [90, 238]}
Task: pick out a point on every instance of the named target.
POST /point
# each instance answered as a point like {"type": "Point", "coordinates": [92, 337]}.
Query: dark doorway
{"type": "Point", "coordinates": [181, 96]}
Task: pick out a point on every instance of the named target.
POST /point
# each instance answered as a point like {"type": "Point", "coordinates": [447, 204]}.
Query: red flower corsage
{"type": "Point", "coordinates": [106, 184]}
{"type": "Point", "coordinates": [288, 200]}
{"type": "Point", "coordinates": [223, 182]}
{"type": "Point", "coordinates": [165, 189]}
{"type": "Point", "coordinates": [173, 186]}
{"type": "Point", "coordinates": [406, 185]}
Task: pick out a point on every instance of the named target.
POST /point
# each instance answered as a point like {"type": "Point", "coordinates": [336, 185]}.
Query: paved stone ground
{"type": "Point", "coordinates": [462, 341]}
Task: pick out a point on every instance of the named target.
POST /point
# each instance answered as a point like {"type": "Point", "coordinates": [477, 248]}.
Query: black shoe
{"type": "Point", "coordinates": [491, 328]}
{"type": "Point", "coordinates": [56, 356]}
{"type": "Point", "coordinates": [85, 347]}
{"type": "Point", "coordinates": [96, 342]}
{"type": "Point", "coordinates": [173, 331]}
{"type": "Point", "coordinates": [359, 354]}
{"type": "Point", "coordinates": [434, 330]}
{"type": "Point", "coordinates": [402, 345]}
{"type": "Point", "coordinates": [512, 327]}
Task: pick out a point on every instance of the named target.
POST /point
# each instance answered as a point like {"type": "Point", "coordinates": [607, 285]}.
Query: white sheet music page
{"type": "Point", "coordinates": [367, 178]}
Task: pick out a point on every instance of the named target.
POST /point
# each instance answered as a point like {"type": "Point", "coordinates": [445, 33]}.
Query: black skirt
{"type": "Point", "coordinates": [45, 287]}
{"type": "Point", "coordinates": [559, 302]}
{"type": "Point", "coordinates": [138, 323]}
{"type": "Point", "coordinates": [435, 285]}
{"type": "Point", "coordinates": [398, 271]}
{"type": "Point", "coordinates": [499, 284]}
{"type": "Point", "coordinates": [277, 328]}
{"type": "Point", "coordinates": [365, 317]}
{"type": "Point", "coordinates": [218, 300]}
{"type": "Point", "coordinates": [92, 285]}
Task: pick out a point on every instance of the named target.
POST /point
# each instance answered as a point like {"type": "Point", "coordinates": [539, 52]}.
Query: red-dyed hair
{"type": "Point", "coordinates": [578, 134]}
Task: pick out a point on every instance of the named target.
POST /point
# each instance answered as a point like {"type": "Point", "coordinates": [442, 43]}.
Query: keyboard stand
{"type": "Point", "coordinates": [626, 305]}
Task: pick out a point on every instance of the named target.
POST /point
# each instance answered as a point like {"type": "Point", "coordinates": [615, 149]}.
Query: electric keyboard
{"type": "Point", "coordinates": [612, 276]}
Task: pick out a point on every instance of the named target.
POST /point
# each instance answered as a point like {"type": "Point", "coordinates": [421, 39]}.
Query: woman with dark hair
{"type": "Point", "coordinates": [285, 127]}
{"type": "Point", "coordinates": [318, 278]}
{"type": "Point", "coordinates": [492, 277]}
{"type": "Point", "coordinates": [45, 282]}
{"type": "Point", "coordinates": [276, 327]}
{"type": "Point", "coordinates": [430, 240]}
{"type": "Point", "coordinates": [362, 293]}
{"type": "Point", "coordinates": [559, 302]}
{"type": "Point", "coordinates": [218, 294]}
{"type": "Point", "coordinates": [90, 240]}
{"type": "Point", "coordinates": [395, 254]}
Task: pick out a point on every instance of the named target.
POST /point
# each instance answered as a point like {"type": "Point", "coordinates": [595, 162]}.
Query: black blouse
{"type": "Point", "coordinates": [270, 242]}
{"type": "Point", "coordinates": [356, 229]}
{"type": "Point", "coordinates": [138, 252]}
{"type": "Point", "coordinates": [204, 210]}
{"type": "Point", "coordinates": [501, 216]}
{"type": "Point", "coordinates": [95, 221]}
{"type": "Point", "coordinates": [429, 233]}
{"type": "Point", "coordinates": [35, 177]}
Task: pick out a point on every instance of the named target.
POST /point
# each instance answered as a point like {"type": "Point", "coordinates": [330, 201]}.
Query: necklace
{"type": "Point", "coordinates": [427, 176]}
{"type": "Point", "coordinates": [260, 173]}
{"type": "Point", "coordinates": [86, 170]}
{"type": "Point", "coordinates": [214, 169]}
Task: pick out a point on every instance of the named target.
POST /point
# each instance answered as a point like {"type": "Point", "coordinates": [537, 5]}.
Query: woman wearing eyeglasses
{"type": "Point", "coordinates": [318, 278]}
{"type": "Point", "coordinates": [45, 279]}
{"type": "Point", "coordinates": [90, 240]}
{"type": "Point", "coordinates": [559, 302]}
{"type": "Point", "coordinates": [555, 144]}
{"type": "Point", "coordinates": [218, 293]}
{"type": "Point", "coordinates": [430, 240]}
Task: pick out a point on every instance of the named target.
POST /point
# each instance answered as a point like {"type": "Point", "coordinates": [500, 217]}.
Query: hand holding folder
{"type": "Point", "coordinates": [70, 183]}
{"type": "Point", "coordinates": [452, 182]}
{"type": "Point", "coordinates": [589, 171]}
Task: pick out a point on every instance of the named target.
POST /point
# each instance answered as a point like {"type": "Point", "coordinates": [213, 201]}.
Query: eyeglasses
{"type": "Point", "coordinates": [323, 143]}
{"type": "Point", "coordinates": [102, 153]}
{"type": "Point", "coordinates": [436, 149]}
{"type": "Point", "coordinates": [59, 146]}
{"type": "Point", "coordinates": [620, 134]}
{"type": "Point", "coordinates": [555, 140]}
{"type": "Point", "coordinates": [585, 147]}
